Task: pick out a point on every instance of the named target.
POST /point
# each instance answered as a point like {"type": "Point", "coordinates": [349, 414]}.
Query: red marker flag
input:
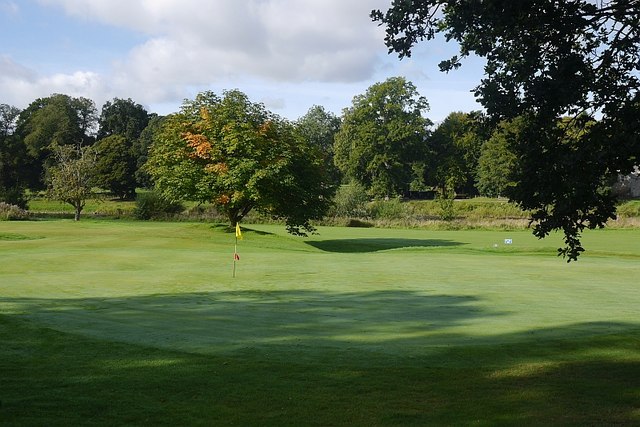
{"type": "Point", "coordinates": [236, 257]}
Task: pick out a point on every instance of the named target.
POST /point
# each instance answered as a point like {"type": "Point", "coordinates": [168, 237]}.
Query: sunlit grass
{"type": "Point", "coordinates": [93, 207]}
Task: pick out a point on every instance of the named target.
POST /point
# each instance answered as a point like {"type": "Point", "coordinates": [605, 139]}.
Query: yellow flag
{"type": "Point", "coordinates": [238, 232]}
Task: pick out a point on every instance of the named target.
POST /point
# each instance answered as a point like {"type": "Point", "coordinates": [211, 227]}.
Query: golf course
{"type": "Point", "coordinates": [119, 322]}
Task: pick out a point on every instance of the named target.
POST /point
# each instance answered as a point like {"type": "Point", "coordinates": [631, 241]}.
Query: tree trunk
{"type": "Point", "coordinates": [78, 210]}
{"type": "Point", "coordinates": [233, 217]}
{"type": "Point", "coordinates": [236, 215]}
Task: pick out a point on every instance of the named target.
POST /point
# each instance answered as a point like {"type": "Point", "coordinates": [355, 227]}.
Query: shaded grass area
{"type": "Point", "coordinates": [14, 236]}
{"type": "Point", "coordinates": [56, 378]}
{"type": "Point", "coordinates": [375, 245]}
{"type": "Point", "coordinates": [126, 323]}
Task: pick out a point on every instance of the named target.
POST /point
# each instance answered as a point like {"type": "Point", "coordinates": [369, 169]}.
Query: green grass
{"type": "Point", "coordinates": [93, 207]}
{"type": "Point", "coordinates": [130, 323]}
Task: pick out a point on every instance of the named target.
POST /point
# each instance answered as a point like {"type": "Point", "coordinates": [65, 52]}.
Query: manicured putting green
{"type": "Point", "coordinates": [396, 291]}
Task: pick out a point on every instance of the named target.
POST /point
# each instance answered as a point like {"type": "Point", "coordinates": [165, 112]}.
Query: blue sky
{"type": "Point", "coordinates": [288, 54]}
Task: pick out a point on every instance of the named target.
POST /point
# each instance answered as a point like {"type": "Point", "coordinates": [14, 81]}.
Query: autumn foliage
{"type": "Point", "coordinates": [237, 155]}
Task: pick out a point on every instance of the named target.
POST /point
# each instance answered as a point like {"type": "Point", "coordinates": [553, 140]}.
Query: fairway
{"type": "Point", "coordinates": [349, 326]}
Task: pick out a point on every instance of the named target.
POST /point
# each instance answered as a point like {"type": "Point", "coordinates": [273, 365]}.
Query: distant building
{"type": "Point", "coordinates": [628, 186]}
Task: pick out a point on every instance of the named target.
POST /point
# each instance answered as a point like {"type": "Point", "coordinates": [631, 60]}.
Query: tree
{"type": "Point", "coordinates": [122, 117]}
{"type": "Point", "coordinates": [382, 136]}
{"type": "Point", "coordinates": [72, 177]}
{"type": "Point", "coordinates": [455, 146]}
{"type": "Point", "coordinates": [116, 167]}
{"type": "Point", "coordinates": [12, 158]}
{"type": "Point", "coordinates": [86, 116]}
{"type": "Point", "coordinates": [234, 153]}
{"type": "Point", "coordinates": [497, 163]}
{"type": "Point", "coordinates": [50, 122]}
{"type": "Point", "coordinates": [141, 149]}
{"type": "Point", "coordinates": [57, 120]}
{"type": "Point", "coordinates": [547, 59]}
{"type": "Point", "coordinates": [121, 125]}
{"type": "Point", "coordinates": [318, 128]}
{"type": "Point", "coordinates": [8, 117]}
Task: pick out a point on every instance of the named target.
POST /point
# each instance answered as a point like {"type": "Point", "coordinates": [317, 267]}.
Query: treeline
{"type": "Point", "coordinates": [51, 133]}
{"type": "Point", "coordinates": [230, 151]}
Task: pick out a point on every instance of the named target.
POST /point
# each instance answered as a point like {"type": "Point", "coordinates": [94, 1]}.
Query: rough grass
{"type": "Point", "coordinates": [112, 323]}
{"type": "Point", "coordinates": [629, 209]}
{"type": "Point", "coordinates": [469, 214]}
{"type": "Point", "coordinates": [99, 207]}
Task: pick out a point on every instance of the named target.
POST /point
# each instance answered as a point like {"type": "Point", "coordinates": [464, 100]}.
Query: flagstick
{"type": "Point", "coordinates": [235, 248]}
{"type": "Point", "coordinates": [235, 251]}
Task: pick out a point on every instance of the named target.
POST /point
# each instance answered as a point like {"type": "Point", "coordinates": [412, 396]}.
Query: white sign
{"type": "Point", "coordinates": [508, 241]}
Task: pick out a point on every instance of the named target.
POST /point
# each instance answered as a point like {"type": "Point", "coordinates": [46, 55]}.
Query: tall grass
{"type": "Point", "coordinates": [10, 212]}
{"type": "Point", "coordinates": [352, 208]}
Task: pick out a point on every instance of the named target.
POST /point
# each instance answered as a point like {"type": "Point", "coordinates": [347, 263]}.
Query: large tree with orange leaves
{"type": "Point", "coordinates": [237, 155]}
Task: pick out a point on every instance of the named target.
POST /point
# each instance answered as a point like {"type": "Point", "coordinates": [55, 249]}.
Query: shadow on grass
{"type": "Point", "coordinates": [375, 245]}
{"type": "Point", "coordinates": [17, 237]}
{"type": "Point", "coordinates": [306, 358]}
{"type": "Point", "coordinates": [215, 322]}
{"type": "Point", "coordinates": [226, 228]}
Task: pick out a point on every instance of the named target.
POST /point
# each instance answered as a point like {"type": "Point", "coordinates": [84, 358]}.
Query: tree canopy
{"type": "Point", "coordinates": [116, 166]}
{"type": "Point", "coordinates": [57, 120]}
{"type": "Point", "coordinates": [239, 156]}
{"type": "Point", "coordinates": [51, 122]}
{"type": "Point", "coordinates": [318, 128]}
{"type": "Point", "coordinates": [456, 145]}
{"type": "Point", "coordinates": [497, 163]}
{"type": "Point", "coordinates": [547, 59]}
{"type": "Point", "coordinates": [383, 135]}
{"type": "Point", "coordinates": [13, 155]}
{"type": "Point", "coordinates": [121, 125]}
{"type": "Point", "coordinates": [141, 149]}
{"type": "Point", "coordinates": [122, 117]}
{"type": "Point", "coordinates": [72, 177]}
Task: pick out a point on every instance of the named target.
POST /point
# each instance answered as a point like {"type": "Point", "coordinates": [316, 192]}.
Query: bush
{"type": "Point", "coordinates": [151, 205]}
{"type": "Point", "coordinates": [358, 223]}
{"type": "Point", "coordinates": [351, 201]}
{"type": "Point", "coordinates": [203, 213]}
{"type": "Point", "coordinates": [447, 207]}
{"type": "Point", "coordinates": [388, 209]}
{"type": "Point", "coordinates": [12, 212]}
{"type": "Point", "coordinates": [630, 209]}
{"type": "Point", "coordinates": [13, 196]}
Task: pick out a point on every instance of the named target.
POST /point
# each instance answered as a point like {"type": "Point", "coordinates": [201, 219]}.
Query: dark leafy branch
{"type": "Point", "coordinates": [547, 60]}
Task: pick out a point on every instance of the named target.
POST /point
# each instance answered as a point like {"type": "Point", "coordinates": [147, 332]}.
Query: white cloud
{"type": "Point", "coordinates": [12, 70]}
{"type": "Point", "coordinates": [195, 44]}
{"type": "Point", "coordinates": [290, 54]}
{"type": "Point", "coordinates": [312, 40]}
{"type": "Point", "coordinates": [10, 8]}
{"type": "Point", "coordinates": [20, 85]}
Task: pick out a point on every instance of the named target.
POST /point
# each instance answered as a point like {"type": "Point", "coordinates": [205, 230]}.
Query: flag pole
{"type": "Point", "coordinates": [235, 256]}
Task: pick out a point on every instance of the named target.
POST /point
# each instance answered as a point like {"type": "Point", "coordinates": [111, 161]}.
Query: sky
{"type": "Point", "coordinates": [287, 54]}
